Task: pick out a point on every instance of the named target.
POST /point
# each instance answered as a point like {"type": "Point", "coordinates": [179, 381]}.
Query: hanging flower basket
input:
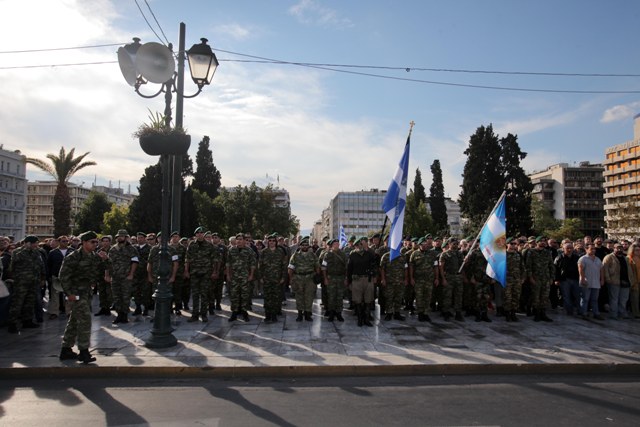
{"type": "Point", "coordinates": [158, 144]}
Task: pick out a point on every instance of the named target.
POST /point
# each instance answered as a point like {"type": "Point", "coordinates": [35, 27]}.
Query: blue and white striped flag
{"type": "Point", "coordinates": [493, 243]}
{"type": "Point", "coordinates": [394, 202]}
{"type": "Point", "coordinates": [342, 238]}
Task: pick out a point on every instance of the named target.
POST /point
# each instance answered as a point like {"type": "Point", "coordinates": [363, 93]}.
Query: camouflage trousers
{"type": "Point", "coordinates": [23, 300]}
{"type": "Point", "coordinates": [512, 295]}
{"type": "Point", "coordinates": [305, 291]}
{"type": "Point", "coordinates": [200, 287]}
{"type": "Point", "coordinates": [409, 294]}
{"type": "Point", "coordinates": [176, 290]}
{"type": "Point", "coordinates": [105, 294]}
{"type": "Point", "coordinates": [452, 294]}
{"type": "Point", "coordinates": [540, 294]}
{"type": "Point", "coordinates": [424, 292]}
{"type": "Point", "coordinates": [272, 293]}
{"type": "Point", "coordinates": [215, 293]}
{"type": "Point", "coordinates": [186, 292]}
{"type": "Point", "coordinates": [142, 291]}
{"type": "Point", "coordinates": [335, 293]}
{"type": "Point", "coordinates": [79, 324]}
{"type": "Point", "coordinates": [121, 289]}
{"type": "Point", "coordinates": [483, 296]}
{"type": "Point", "coordinates": [240, 294]}
{"type": "Point", "coordinates": [393, 294]}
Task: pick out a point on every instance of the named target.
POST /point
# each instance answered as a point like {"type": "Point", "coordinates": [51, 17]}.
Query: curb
{"type": "Point", "coordinates": [93, 371]}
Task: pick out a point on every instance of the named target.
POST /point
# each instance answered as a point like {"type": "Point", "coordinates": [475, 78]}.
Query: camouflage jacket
{"type": "Point", "coordinates": [154, 259]}
{"type": "Point", "coordinates": [240, 262]}
{"type": "Point", "coordinates": [539, 265]}
{"type": "Point", "coordinates": [201, 257]}
{"type": "Point", "coordinates": [80, 271]}
{"type": "Point", "coordinates": [304, 262]}
{"type": "Point", "coordinates": [394, 271]}
{"type": "Point", "coordinates": [451, 261]}
{"type": "Point", "coordinates": [143, 258]}
{"type": "Point", "coordinates": [180, 252]}
{"type": "Point", "coordinates": [423, 264]}
{"type": "Point", "coordinates": [272, 265]}
{"type": "Point", "coordinates": [26, 264]}
{"type": "Point", "coordinates": [515, 268]}
{"type": "Point", "coordinates": [120, 260]}
{"type": "Point", "coordinates": [335, 263]}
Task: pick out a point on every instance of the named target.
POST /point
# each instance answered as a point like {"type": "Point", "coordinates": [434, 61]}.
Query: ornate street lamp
{"type": "Point", "coordinates": [153, 62]}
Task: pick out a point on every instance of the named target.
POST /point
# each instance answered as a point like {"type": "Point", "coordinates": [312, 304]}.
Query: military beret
{"type": "Point", "coordinates": [509, 240]}
{"type": "Point", "coordinates": [122, 232]}
{"type": "Point", "coordinates": [175, 233]}
{"type": "Point", "coordinates": [331, 242]}
{"type": "Point", "coordinates": [414, 239]}
{"type": "Point", "coordinates": [88, 235]}
{"type": "Point", "coordinates": [452, 240]}
{"type": "Point", "coordinates": [376, 236]}
{"type": "Point", "coordinates": [184, 239]}
{"type": "Point", "coordinates": [531, 239]}
{"type": "Point", "coordinates": [428, 236]}
{"type": "Point", "coordinates": [437, 238]}
{"type": "Point", "coordinates": [159, 234]}
{"type": "Point", "coordinates": [421, 240]}
{"type": "Point", "coordinates": [198, 230]}
{"type": "Point", "coordinates": [107, 236]}
{"type": "Point", "coordinates": [352, 238]}
{"type": "Point", "coordinates": [140, 233]}
{"type": "Point", "coordinates": [360, 240]}
{"type": "Point", "coordinates": [31, 239]}
{"type": "Point", "coordinates": [539, 238]}
{"type": "Point", "coordinates": [240, 236]}
{"type": "Point", "coordinates": [273, 236]}
{"type": "Point", "coordinates": [215, 234]}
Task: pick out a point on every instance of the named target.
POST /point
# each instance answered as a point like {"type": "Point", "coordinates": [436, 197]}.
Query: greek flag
{"type": "Point", "coordinates": [342, 238]}
{"type": "Point", "coordinates": [493, 243]}
{"type": "Point", "coordinates": [395, 200]}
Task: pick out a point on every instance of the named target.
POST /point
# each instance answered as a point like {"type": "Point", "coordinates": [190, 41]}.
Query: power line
{"type": "Point", "coordinates": [155, 19]}
{"type": "Point", "coordinates": [58, 65]}
{"type": "Point", "coordinates": [147, 21]}
{"type": "Point", "coordinates": [62, 48]}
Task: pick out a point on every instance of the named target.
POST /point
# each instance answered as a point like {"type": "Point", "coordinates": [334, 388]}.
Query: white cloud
{"type": "Point", "coordinates": [235, 31]}
{"type": "Point", "coordinates": [312, 12]}
{"type": "Point", "coordinates": [620, 112]}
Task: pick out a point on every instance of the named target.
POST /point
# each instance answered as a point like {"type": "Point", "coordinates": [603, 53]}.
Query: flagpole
{"type": "Point", "coordinates": [479, 232]}
{"type": "Point", "coordinates": [386, 218]}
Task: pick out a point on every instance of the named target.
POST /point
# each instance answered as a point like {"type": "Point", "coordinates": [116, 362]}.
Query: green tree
{"type": "Point", "coordinates": [419, 194]}
{"type": "Point", "coordinates": [62, 167]}
{"type": "Point", "coordinates": [542, 218]}
{"type": "Point", "coordinates": [145, 212]}
{"type": "Point", "coordinates": [570, 228]}
{"type": "Point", "coordinates": [437, 202]}
{"type": "Point", "coordinates": [482, 182]}
{"type": "Point", "coordinates": [417, 221]}
{"type": "Point", "coordinates": [91, 214]}
{"type": "Point", "coordinates": [206, 177]}
{"type": "Point", "coordinates": [116, 219]}
{"type": "Point", "coordinates": [519, 187]}
{"type": "Point", "coordinates": [210, 213]}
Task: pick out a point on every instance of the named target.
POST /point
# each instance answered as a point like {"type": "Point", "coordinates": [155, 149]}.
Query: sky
{"type": "Point", "coordinates": [450, 67]}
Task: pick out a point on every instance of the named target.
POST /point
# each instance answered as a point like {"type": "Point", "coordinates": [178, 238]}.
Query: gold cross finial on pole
{"type": "Point", "coordinates": [411, 124]}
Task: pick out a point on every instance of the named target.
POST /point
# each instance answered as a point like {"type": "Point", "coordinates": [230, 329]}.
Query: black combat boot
{"type": "Point", "coordinates": [499, 312]}
{"type": "Point", "coordinates": [484, 317]}
{"type": "Point", "coordinates": [332, 315]}
{"type": "Point", "coordinates": [359, 313]}
{"type": "Point", "coordinates": [274, 318]}
{"type": "Point", "coordinates": [459, 317]}
{"type": "Point", "coordinates": [138, 310]}
{"type": "Point", "coordinates": [13, 329]}
{"type": "Point", "coordinates": [300, 316]}
{"type": "Point", "coordinates": [514, 318]}
{"type": "Point", "coordinates": [537, 317]}
{"type": "Point", "coordinates": [234, 317]}
{"type": "Point", "coordinates": [398, 316]}
{"type": "Point", "coordinates": [30, 325]}
{"type": "Point", "coordinates": [366, 320]}
{"type": "Point", "coordinates": [388, 317]}
{"type": "Point", "coordinates": [67, 354]}
{"type": "Point", "coordinates": [193, 318]}
{"type": "Point", "coordinates": [339, 317]}
{"type": "Point", "coordinates": [245, 316]}
{"type": "Point", "coordinates": [85, 357]}
{"type": "Point", "coordinates": [421, 317]}
{"type": "Point", "coordinates": [544, 317]}
{"type": "Point", "coordinates": [204, 318]}
{"type": "Point", "coordinates": [307, 316]}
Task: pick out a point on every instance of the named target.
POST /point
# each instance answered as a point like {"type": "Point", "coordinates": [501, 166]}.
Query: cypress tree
{"type": "Point", "coordinates": [436, 200]}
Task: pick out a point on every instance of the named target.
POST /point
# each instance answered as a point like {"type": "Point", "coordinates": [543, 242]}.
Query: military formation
{"type": "Point", "coordinates": [429, 275]}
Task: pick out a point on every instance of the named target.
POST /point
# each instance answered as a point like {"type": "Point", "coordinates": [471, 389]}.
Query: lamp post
{"type": "Point", "coordinates": [153, 62]}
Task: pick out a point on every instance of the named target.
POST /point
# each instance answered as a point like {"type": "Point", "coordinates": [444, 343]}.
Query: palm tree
{"type": "Point", "coordinates": [62, 168]}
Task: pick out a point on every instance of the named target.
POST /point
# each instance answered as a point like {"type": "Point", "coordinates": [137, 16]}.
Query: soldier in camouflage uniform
{"type": "Point", "coordinates": [142, 287]}
{"type": "Point", "coordinates": [105, 294]}
{"type": "Point", "coordinates": [123, 262]}
{"type": "Point", "coordinates": [423, 276]}
{"type": "Point", "coordinates": [201, 267]}
{"type": "Point", "coordinates": [80, 271]}
{"type": "Point", "coordinates": [218, 284]}
{"type": "Point", "coordinates": [241, 266]}
{"type": "Point", "coordinates": [393, 279]}
{"type": "Point", "coordinates": [334, 273]}
{"type": "Point", "coordinates": [180, 252]}
{"type": "Point", "coordinates": [347, 251]}
{"type": "Point", "coordinates": [410, 245]}
{"type": "Point", "coordinates": [27, 269]}
{"type": "Point", "coordinates": [475, 272]}
{"type": "Point", "coordinates": [515, 276]}
{"type": "Point", "coordinates": [273, 269]}
{"type": "Point", "coordinates": [302, 267]}
{"type": "Point", "coordinates": [450, 263]}
{"type": "Point", "coordinates": [540, 272]}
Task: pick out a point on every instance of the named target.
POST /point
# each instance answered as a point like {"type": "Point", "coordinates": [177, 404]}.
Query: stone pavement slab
{"type": "Point", "coordinates": [218, 347]}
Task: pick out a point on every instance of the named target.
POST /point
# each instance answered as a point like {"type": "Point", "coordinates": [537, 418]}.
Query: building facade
{"type": "Point", "coordinates": [359, 213]}
{"type": "Point", "coordinates": [40, 204]}
{"type": "Point", "coordinates": [573, 192]}
{"type": "Point", "coordinates": [622, 186]}
{"type": "Point", "coordinates": [13, 193]}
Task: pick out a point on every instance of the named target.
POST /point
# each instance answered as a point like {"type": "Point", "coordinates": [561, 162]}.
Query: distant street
{"type": "Point", "coordinates": [382, 401]}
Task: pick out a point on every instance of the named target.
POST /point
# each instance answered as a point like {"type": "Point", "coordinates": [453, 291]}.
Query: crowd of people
{"type": "Point", "coordinates": [586, 277]}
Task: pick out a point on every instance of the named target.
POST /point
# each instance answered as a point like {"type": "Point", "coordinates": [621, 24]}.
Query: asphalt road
{"type": "Point", "coordinates": [381, 401]}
